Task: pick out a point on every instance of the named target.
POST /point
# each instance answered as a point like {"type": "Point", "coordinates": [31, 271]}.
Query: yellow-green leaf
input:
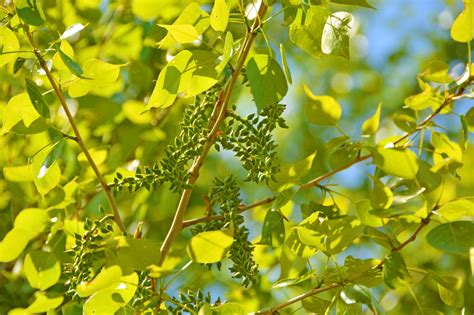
{"type": "Point", "coordinates": [48, 178]}
{"type": "Point", "coordinates": [13, 245]}
{"type": "Point", "coordinates": [106, 278]}
{"type": "Point", "coordinates": [183, 34]}
{"type": "Point", "coordinates": [322, 110]}
{"type": "Point", "coordinates": [9, 42]}
{"type": "Point", "coordinates": [23, 173]}
{"type": "Point", "coordinates": [42, 269]}
{"type": "Point", "coordinates": [19, 108]}
{"type": "Point", "coordinates": [111, 299]}
{"type": "Point", "coordinates": [396, 162]}
{"type": "Point", "coordinates": [457, 209]}
{"type": "Point", "coordinates": [219, 15]}
{"type": "Point", "coordinates": [32, 221]}
{"type": "Point", "coordinates": [209, 247]}
{"type": "Point", "coordinates": [463, 27]}
{"type": "Point", "coordinates": [371, 125]}
{"type": "Point", "coordinates": [44, 302]}
{"type": "Point", "coordinates": [97, 75]}
{"type": "Point", "coordinates": [382, 196]}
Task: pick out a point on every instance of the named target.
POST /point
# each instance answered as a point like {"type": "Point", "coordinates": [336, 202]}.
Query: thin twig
{"type": "Point", "coordinates": [221, 217]}
{"type": "Point", "coordinates": [217, 116]}
{"type": "Point", "coordinates": [78, 137]}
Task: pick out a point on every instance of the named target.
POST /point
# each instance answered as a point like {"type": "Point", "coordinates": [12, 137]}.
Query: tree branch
{"type": "Point", "coordinates": [217, 116]}
{"type": "Point", "coordinates": [78, 137]}
{"type": "Point", "coordinates": [315, 182]}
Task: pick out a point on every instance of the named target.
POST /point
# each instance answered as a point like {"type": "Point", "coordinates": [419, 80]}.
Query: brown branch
{"type": "Point", "coordinates": [217, 116]}
{"type": "Point", "coordinates": [78, 137]}
{"type": "Point", "coordinates": [221, 217]}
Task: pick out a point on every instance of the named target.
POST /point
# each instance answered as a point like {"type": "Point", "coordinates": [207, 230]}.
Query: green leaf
{"type": "Point", "coordinates": [267, 80]}
{"type": "Point", "coordinates": [457, 209]}
{"type": "Point", "coordinates": [315, 305]}
{"type": "Point", "coordinates": [73, 66]}
{"type": "Point", "coordinates": [229, 309]}
{"type": "Point", "coordinates": [19, 62]}
{"type": "Point", "coordinates": [47, 179]}
{"type": "Point", "coordinates": [111, 299]}
{"type": "Point", "coordinates": [395, 272]}
{"type": "Point", "coordinates": [462, 29]}
{"type": "Point", "coordinates": [188, 74]}
{"type": "Point", "coordinates": [23, 173]}
{"type": "Point", "coordinates": [42, 269]}
{"type": "Point", "coordinates": [227, 52]}
{"type": "Point", "coordinates": [362, 208]}
{"type": "Point", "coordinates": [30, 12]}
{"type": "Point", "coordinates": [322, 110]}
{"type": "Point", "coordinates": [292, 281]}
{"type": "Point", "coordinates": [8, 43]}
{"type": "Point", "coordinates": [191, 15]}
{"type": "Point", "coordinates": [448, 155]}
{"type": "Point", "coordinates": [273, 230]}
{"type": "Point", "coordinates": [335, 37]}
{"type": "Point", "coordinates": [37, 98]}
{"type": "Point", "coordinates": [396, 162]}
{"type": "Point", "coordinates": [137, 254]}
{"type": "Point", "coordinates": [450, 291]}
{"type": "Point", "coordinates": [219, 15]}
{"type": "Point", "coordinates": [307, 29]}
{"type": "Point", "coordinates": [453, 238]}
{"type": "Point", "coordinates": [209, 247]}
{"type": "Point", "coordinates": [382, 196]}
{"type": "Point", "coordinates": [358, 293]}
{"type": "Point", "coordinates": [470, 119]}
{"type": "Point", "coordinates": [290, 174]}
{"type": "Point", "coordinates": [285, 64]}
{"type": "Point", "coordinates": [371, 125]}
{"type": "Point", "coordinates": [428, 98]}
{"type": "Point", "coordinates": [360, 3]}
{"type": "Point", "coordinates": [44, 302]}
{"type": "Point", "coordinates": [54, 154]}
{"type": "Point", "coordinates": [404, 122]}
{"type": "Point", "coordinates": [104, 279]}
{"type": "Point", "coordinates": [183, 33]}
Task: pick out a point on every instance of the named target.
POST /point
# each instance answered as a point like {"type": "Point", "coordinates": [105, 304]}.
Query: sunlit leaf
{"type": "Point", "coordinates": [371, 125]}
{"type": "Point", "coordinates": [396, 162]}
{"type": "Point", "coordinates": [382, 196]}
{"type": "Point", "coordinates": [267, 80]}
{"type": "Point", "coordinates": [335, 37]}
{"type": "Point", "coordinates": [209, 247]}
{"type": "Point", "coordinates": [42, 269]}
{"type": "Point", "coordinates": [183, 33]}
{"type": "Point", "coordinates": [104, 279]}
{"type": "Point", "coordinates": [72, 30]}
{"type": "Point", "coordinates": [44, 302]}
{"type": "Point", "coordinates": [219, 15]}
{"type": "Point", "coordinates": [8, 43]}
{"type": "Point", "coordinates": [322, 110]}
{"type": "Point", "coordinates": [462, 29]}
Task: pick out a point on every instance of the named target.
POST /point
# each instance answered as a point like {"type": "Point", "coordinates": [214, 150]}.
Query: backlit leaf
{"type": "Point", "coordinates": [273, 230]}
{"type": "Point", "coordinates": [456, 210]}
{"type": "Point", "coordinates": [396, 162]}
{"type": "Point", "coordinates": [335, 37]}
{"type": "Point", "coordinates": [382, 196]}
{"type": "Point", "coordinates": [104, 279]}
{"type": "Point", "coordinates": [42, 269]}
{"type": "Point", "coordinates": [322, 110]}
{"type": "Point", "coordinates": [183, 33]}
{"type": "Point", "coordinates": [462, 29]}
{"type": "Point", "coordinates": [219, 15]}
{"type": "Point", "coordinates": [267, 80]}
{"type": "Point", "coordinates": [209, 247]}
{"type": "Point", "coordinates": [395, 272]}
{"type": "Point", "coordinates": [44, 302]}
{"type": "Point", "coordinates": [8, 43]}
{"type": "Point", "coordinates": [371, 125]}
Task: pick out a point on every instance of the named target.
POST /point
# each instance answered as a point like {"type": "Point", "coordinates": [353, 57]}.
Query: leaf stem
{"type": "Point", "coordinates": [217, 116]}
{"type": "Point", "coordinates": [78, 137]}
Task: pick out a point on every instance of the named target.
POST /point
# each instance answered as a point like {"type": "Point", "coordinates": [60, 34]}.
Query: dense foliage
{"type": "Point", "coordinates": [146, 150]}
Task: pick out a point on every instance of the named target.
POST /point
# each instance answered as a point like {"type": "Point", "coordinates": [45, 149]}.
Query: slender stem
{"type": "Point", "coordinates": [221, 217]}
{"type": "Point", "coordinates": [217, 116]}
{"type": "Point", "coordinates": [78, 137]}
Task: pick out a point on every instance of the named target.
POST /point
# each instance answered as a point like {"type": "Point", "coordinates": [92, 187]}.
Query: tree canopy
{"type": "Point", "coordinates": [236, 156]}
